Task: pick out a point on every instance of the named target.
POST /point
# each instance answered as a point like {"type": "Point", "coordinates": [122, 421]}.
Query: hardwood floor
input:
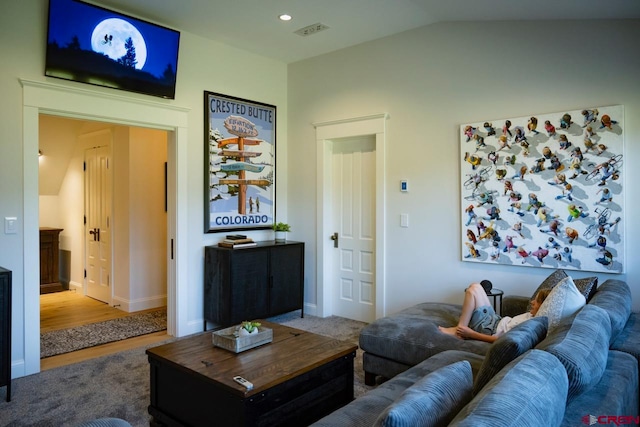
{"type": "Point", "coordinates": [67, 309]}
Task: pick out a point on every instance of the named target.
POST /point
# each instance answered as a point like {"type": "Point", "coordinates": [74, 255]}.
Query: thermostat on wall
{"type": "Point", "coordinates": [404, 186]}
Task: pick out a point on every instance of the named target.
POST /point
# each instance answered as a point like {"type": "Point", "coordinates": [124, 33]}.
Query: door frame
{"type": "Point", "coordinates": [74, 102]}
{"type": "Point", "coordinates": [327, 134]}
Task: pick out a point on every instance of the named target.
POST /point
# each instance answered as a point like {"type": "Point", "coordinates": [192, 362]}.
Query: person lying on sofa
{"type": "Point", "coordinates": [479, 321]}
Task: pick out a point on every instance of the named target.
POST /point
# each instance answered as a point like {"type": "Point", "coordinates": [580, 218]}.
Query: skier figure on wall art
{"type": "Point", "coordinates": [607, 122]}
{"type": "Point", "coordinates": [565, 121]}
{"type": "Point", "coordinates": [590, 116]}
{"type": "Point", "coordinates": [504, 142]}
{"type": "Point", "coordinates": [520, 136]}
{"type": "Point", "coordinates": [523, 253]}
{"type": "Point", "coordinates": [532, 125]}
{"type": "Point", "coordinates": [540, 254]}
{"type": "Point", "coordinates": [572, 234]}
{"type": "Point", "coordinates": [506, 129]}
{"type": "Point", "coordinates": [488, 127]}
{"type": "Point", "coordinates": [554, 227]}
{"type": "Point", "coordinates": [564, 142]}
{"type": "Point", "coordinates": [469, 131]}
{"type": "Point", "coordinates": [590, 133]}
{"type": "Point", "coordinates": [508, 244]}
{"type": "Point", "coordinates": [576, 212]}
{"type": "Point", "coordinates": [551, 129]}
{"type": "Point", "coordinates": [493, 157]}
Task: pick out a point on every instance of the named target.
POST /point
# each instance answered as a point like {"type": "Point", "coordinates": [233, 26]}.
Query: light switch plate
{"type": "Point", "coordinates": [404, 186]}
{"type": "Point", "coordinates": [10, 225]}
{"type": "Point", "coordinates": [404, 220]}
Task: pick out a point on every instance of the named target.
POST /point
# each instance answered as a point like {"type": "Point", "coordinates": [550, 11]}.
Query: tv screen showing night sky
{"type": "Point", "coordinates": [89, 44]}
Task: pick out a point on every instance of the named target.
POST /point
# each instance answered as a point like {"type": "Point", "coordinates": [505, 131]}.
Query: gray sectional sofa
{"type": "Point", "coordinates": [585, 368]}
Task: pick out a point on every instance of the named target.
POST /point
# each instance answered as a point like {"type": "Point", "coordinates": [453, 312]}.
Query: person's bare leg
{"type": "Point", "coordinates": [474, 297]}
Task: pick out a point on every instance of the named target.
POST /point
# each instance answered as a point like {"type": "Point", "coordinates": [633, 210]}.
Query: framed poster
{"type": "Point", "coordinates": [545, 191]}
{"type": "Point", "coordinates": [240, 144]}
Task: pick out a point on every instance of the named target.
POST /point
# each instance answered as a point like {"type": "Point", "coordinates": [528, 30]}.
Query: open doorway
{"type": "Point", "coordinates": [67, 101]}
{"type": "Point", "coordinates": [103, 186]}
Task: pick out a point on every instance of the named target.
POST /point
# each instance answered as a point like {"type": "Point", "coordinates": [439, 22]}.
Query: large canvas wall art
{"type": "Point", "coordinates": [240, 142]}
{"type": "Point", "coordinates": [545, 191]}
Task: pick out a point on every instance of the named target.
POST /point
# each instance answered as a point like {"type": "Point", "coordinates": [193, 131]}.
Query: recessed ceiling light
{"type": "Point", "coordinates": [285, 17]}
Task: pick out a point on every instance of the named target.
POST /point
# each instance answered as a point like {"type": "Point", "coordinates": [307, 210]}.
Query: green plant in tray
{"type": "Point", "coordinates": [250, 326]}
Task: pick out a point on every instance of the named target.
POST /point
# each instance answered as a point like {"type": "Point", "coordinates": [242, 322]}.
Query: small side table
{"type": "Point", "coordinates": [497, 297]}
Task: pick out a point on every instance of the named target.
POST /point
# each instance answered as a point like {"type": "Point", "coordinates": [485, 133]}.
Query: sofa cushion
{"type": "Point", "coordinates": [581, 343]}
{"type": "Point", "coordinates": [615, 394]}
{"type": "Point", "coordinates": [508, 347]}
{"type": "Point", "coordinates": [629, 339]}
{"type": "Point", "coordinates": [412, 335]}
{"type": "Point", "coordinates": [614, 297]}
{"type": "Point", "coordinates": [432, 401]}
{"type": "Point", "coordinates": [364, 411]}
{"type": "Point", "coordinates": [563, 301]}
{"type": "Point", "coordinates": [520, 395]}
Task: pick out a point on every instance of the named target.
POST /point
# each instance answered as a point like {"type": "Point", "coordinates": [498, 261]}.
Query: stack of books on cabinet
{"type": "Point", "coordinates": [237, 241]}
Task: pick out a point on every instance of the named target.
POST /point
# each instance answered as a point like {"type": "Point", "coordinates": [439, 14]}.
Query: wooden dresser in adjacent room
{"type": "Point", "coordinates": [49, 262]}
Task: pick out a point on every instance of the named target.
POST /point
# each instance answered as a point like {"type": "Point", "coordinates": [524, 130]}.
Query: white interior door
{"type": "Point", "coordinates": [354, 220]}
{"type": "Point", "coordinates": [98, 217]}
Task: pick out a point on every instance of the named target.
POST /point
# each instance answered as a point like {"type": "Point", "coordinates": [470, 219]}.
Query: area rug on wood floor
{"type": "Point", "coordinates": [117, 385]}
{"type": "Point", "coordinates": [72, 339]}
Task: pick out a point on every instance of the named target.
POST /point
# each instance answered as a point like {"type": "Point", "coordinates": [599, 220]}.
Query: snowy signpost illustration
{"type": "Point", "coordinates": [240, 166]}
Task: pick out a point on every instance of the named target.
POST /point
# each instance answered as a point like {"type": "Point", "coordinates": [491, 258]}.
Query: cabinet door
{"type": "Point", "coordinates": [46, 262]}
{"type": "Point", "coordinates": [287, 273]}
{"type": "Point", "coordinates": [249, 285]}
{"type": "Point", "coordinates": [5, 328]}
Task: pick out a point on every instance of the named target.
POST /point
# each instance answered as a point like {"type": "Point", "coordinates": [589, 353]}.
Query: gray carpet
{"type": "Point", "coordinates": [73, 339]}
{"type": "Point", "coordinates": [118, 385]}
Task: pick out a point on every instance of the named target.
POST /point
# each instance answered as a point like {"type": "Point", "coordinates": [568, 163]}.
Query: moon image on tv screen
{"type": "Point", "coordinates": [109, 38]}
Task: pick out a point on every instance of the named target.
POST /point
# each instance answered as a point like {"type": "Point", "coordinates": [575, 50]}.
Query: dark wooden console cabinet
{"type": "Point", "coordinates": [252, 283]}
{"type": "Point", "coordinates": [5, 330]}
{"type": "Point", "coordinates": [49, 254]}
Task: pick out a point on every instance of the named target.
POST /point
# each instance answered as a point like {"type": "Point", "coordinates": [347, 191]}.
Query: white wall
{"type": "Point", "coordinates": [432, 80]}
{"type": "Point", "coordinates": [147, 219]}
{"type": "Point", "coordinates": [203, 65]}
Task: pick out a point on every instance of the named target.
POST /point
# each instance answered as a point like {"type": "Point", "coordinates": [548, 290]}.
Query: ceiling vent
{"type": "Point", "coordinates": [311, 29]}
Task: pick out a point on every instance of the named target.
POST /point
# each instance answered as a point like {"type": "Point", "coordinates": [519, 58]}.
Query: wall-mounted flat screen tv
{"type": "Point", "coordinates": [90, 44]}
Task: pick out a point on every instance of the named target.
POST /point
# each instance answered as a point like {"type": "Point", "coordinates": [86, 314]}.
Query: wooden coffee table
{"type": "Point", "coordinates": [297, 379]}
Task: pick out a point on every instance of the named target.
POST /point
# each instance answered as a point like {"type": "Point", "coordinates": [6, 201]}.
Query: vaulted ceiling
{"type": "Point", "coordinates": [253, 25]}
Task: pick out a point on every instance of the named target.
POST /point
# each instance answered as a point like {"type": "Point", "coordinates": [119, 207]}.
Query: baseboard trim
{"type": "Point", "coordinates": [139, 305]}
{"type": "Point", "coordinates": [311, 309]}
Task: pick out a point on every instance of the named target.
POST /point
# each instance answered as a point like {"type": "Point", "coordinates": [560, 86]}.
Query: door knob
{"type": "Point", "coordinates": [334, 237]}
